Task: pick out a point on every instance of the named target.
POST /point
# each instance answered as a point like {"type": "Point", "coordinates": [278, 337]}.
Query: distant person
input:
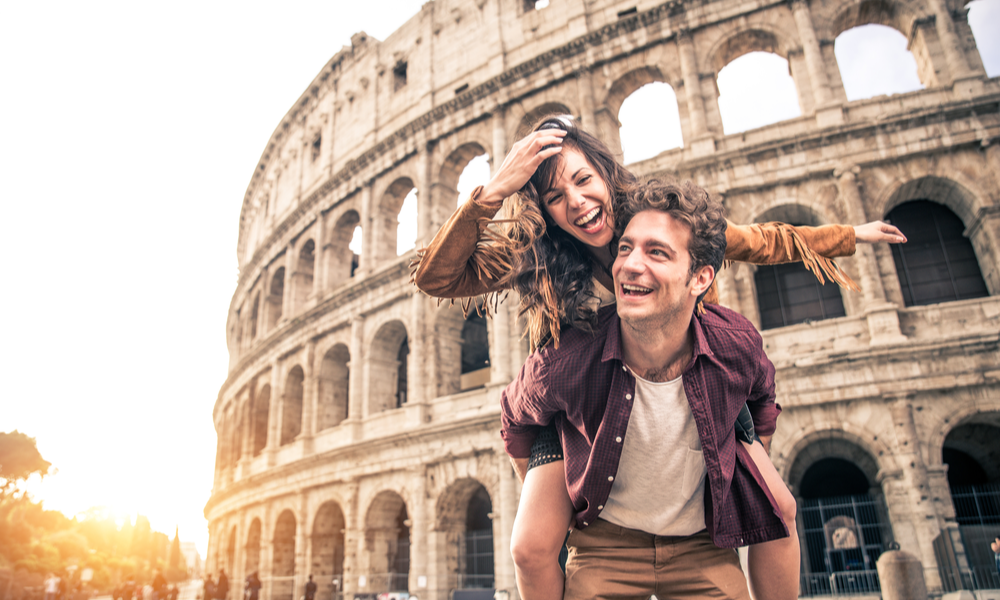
{"type": "Point", "coordinates": [208, 589]}
{"type": "Point", "coordinates": [159, 585]}
{"type": "Point", "coordinates": [995, 546]}
{"type": "Point", "coordinates": [51, 587]}
{"type": "Point", "coordinates": [173, 593]}
{"type": "Point", "coordinates": [252, 588]}
{"type": "Point", "coordinates": [310, 589]}
{"type": "Point", "coordinates": [61, 588]}
{"type": "Point", "coordinates": [222, 586]}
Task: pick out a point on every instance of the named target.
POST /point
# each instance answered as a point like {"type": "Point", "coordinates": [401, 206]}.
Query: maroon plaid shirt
{"type": "Point", "coordinates": [585, 388]}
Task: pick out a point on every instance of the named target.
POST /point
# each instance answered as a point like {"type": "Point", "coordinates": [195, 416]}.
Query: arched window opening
{"type": "Point", "coordinates": [875, 60]}
{"type": "Point", "coordinates": [788, 294]}
{"type": "Point", "coordinates": [274, 298]}
{"type": "Point", "coordinates": [291, 406]}
{"type": "Point", "coordinates": [755, 90]}
{"type": "Point", "coordinates": [937, 263]}
{"type": "Point", "coordinates": [253, 317]}
{"type": "Point", "coordinates": [252, 562]}
{"type": "Point", "coordinates": [261, 408]}
{"type": "Point", "coordinates": [328, 551]}
{"type": "Point", "coordinates": [983, 19]}
{"type": "Point", "coordinates": [401, 380]}
{"type": "Point", "coordinates": [475, 352]}
{"type": "Point", "coordinates": [843, 522]}
{"type": "Point", "coordinates": [478, 550]}
{"type": "Point", "coordinates": [406, 224]}
{"type": "Point", "coordinates": [476, 173]}
{"type": "Point", "coordinates": [651, 122]}
{"type": "Point", "coordinates": [302, 279]}
{"type": "Point", "coordinates": [355, 248]}
{"type": "Point", "coordinates": [387, 538]}
{"type": "Point", "coordinates": [334, 387]}
{"type": "Point", "coordinates": [972, 452]}
{"type": "Point", "coordinates": [343, 251]}
{"type": "Point", "coordinates": [283, 562]}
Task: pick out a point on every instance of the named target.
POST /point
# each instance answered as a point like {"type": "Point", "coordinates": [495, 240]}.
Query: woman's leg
{"type": "Point", "coordinates": [774, 566]}
{"type": "Point", "coordinates": [543, 518]}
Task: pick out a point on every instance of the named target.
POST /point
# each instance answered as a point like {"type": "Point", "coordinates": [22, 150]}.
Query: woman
{"type": "Point", "coordinates": [555, 250]}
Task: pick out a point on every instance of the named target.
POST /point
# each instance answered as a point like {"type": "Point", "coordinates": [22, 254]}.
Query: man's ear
{"type": "Point", "coordinates": [702, 279]}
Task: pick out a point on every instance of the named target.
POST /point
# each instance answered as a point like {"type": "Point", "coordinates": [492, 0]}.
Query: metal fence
{"type": "Point", "coordinates": [977, 504]}
{"type": "Point", "coordinates": [843, 538]}
{"type": "Point", "coordinates": [478, 560]}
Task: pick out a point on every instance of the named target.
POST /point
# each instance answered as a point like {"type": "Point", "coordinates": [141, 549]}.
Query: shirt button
{"type": "Point", "coordinates": [624, 369]}
{"type": "Point", "coordinates": [610, 478]}
{"type": "Point", "coordinates": [618, 439]}
{"type": "Point", "coordinates": [585, 524]}
{"type": "Point", "coordinates": [601, 507]}
{"type": "Point", "coordinates": [628, 396]}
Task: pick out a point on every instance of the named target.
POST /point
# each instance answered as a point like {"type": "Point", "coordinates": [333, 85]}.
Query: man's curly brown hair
{"type": "Point", "coordinates": [688, 203]}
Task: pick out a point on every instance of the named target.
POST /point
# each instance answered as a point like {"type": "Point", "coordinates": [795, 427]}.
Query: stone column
{"type": "Point", "coordinates": [984, 233]}
{"type": "Point", "coordinates": [504, 510]}
{"type": "Point", "coordinates": [810, 47]}
{"type": "Point", "coordinates": [585, 86]}
{"type": "Point", "coordinates": [883, 320]}
{"type": "Point", "coordinates": [950, 43]}
{"type": "Point", "coordinates": [303, 543]}
{"type": "Point", "coordinates": [319, 267]}
{"type": "Point", "coordinates": [692, 85]}
{"type": "Point", "coordinates": [310, 396]}
{"type": "Point", "coordinates": [274, 415]}
{"type": "Point", "coordinates": [499, 151]}
{"type": "Point", "coordinates": [421, 517]}
{"type": "Point", "coordinates": [353, 541]}
{"type": "Point", "coordinates": [425, 206]}
{"type": "Point", "coordinates": [286, 291]}
{"type": "Point", "coordinates": [915, 524]}
{"type": "Point", "coordinates": [367, 259]}
{"type": "Point", "coordinates": [417, 397]}
{"type": "Point", "coordinates": [355, 377]}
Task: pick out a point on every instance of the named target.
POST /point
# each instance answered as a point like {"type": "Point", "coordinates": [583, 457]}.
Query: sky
{"type": "Point", "coordinates": [129, 134]}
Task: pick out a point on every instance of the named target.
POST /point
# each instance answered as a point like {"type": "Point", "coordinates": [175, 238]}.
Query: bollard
{"type": "Point", "coordinates": [901, 576]}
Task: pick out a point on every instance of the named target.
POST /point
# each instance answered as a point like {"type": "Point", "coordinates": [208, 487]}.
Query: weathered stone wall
{"type": "Point", "coordinates": [315, 350]}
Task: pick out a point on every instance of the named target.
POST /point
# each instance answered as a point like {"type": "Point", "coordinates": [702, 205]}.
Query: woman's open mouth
{"type": "Point", "coordinates": [592, 222]}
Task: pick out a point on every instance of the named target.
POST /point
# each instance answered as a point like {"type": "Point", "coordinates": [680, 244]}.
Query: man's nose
{"type": "Point", "coordinates": [634, 262]}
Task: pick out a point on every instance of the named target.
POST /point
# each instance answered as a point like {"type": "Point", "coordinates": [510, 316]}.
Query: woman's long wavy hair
{"type": "Point", "coordinates": [552, 270]}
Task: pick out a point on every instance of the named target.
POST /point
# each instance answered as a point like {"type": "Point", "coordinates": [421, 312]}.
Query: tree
{"type": "Point", "coordinates": [175, 550]}
{"type": "Point", "coordinates": [19, 460]}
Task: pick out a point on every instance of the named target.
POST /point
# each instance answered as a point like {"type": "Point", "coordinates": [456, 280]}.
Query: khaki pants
{"type": "Point", "coordinates": [608, 561]}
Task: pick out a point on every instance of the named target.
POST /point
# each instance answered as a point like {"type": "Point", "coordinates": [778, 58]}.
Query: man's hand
{"type": "Point", "coordinates": [765, 440]}
{"type": "Point", "coordinates": [520, 467]}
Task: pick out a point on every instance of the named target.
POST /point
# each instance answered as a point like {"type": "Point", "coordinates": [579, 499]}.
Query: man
{"type": "Point", "coordinates": [252, 586]}
{"type": "Point", "coordinates": [222, 586]}
{"type": "Point", "coordinates": [310, 589]}
{"type": "Point", "coordinates": [645, 407]}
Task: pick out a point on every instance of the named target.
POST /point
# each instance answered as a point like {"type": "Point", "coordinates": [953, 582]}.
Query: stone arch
{"type": "Point", "coordinates": [463, 515]}
{"type": "Point", "coordinates": [302, 277]}
{"type": "Point", "coordinates": [385, 220]}
{"type": "Point", "coordinates": [956, 196]}
{"type": "Point", "coordinates": [754, 38]}
{"type": "Point", "coordinates": [341, 261]}
{"type": "Point", "coordinates": [626, 85]}
{"type": "Point", "coordinates": [291, 405]}
{"type": "Point", "coordinates": [283, 557]}
{"type": "Point", "coordinates": [796, 459]}
{"type": "Point", "coordinates": [851, 14]}
{"type": "Point", "coordinates": [445, 193]}
{"type": "Point", "coordinates": [630, 82]}
{"type": "Point", "coordinates": [530, 118]}
{"type": "Point", "coordinates": [334, 387]}
{"type": "Point", "coordinates": [387, 381]}
{"type": "Point", "coordinates": [252, 548]}
{"type": "Point", "coordinates": [387, 540]}
{"type": "Point", "coordinates": [328, 549]}
{"type": "Point", "coordinates": [275, 297]}
{"type": "Point", "coordinates": [261, 410]}
{"type": "Point", "coordinates": [977, 436]}
{"type": "Point", "coordinates": [791, 212]}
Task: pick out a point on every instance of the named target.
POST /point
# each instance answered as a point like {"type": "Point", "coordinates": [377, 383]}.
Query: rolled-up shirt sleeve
{"type": "Point", "coordinates": [761, 402]}
{"type": "Point", "coordinates": [524, 408]}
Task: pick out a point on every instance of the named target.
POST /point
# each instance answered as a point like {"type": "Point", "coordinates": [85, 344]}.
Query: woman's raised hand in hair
{"type": "Point", "coordinates": [877, 232]}
{"type": "Point", "coordinates": [520, 164]}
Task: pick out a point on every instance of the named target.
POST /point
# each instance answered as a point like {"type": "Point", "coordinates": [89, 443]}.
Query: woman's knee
{"type": "Point", "coordinates": [535, 549]}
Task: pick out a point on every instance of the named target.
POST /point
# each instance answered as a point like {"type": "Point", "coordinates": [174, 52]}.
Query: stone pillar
{"type": "Point", "coordinates": [883, 319]}
{"type": "Point", "coordinates": [504, 509]}
{"type": "Point", "coordinates": [425, 207]}
{"type": "Point", "coordinates": [355, 375]}
{"type": "Point", "coordinates": [518, 345]}
{"type": "Point", "coordinates": [728, 294]}
{"type": "Point", "coordinates": [984, 233]}
{"type": "Point", "coordinates": [310, 396]}
{"type": "Point", "coordinates": [901, 576]}
{"type": "Point", "coordinates": [286, 292]}
{"type": "Point", "coordinates": [692, 85]}
{"type": "Point", "coordinates": [353, 541]}
{"type": "Point", "coordinates": [421, 523]}
{"type": "Point", "coordinates": [319, 267]}
{"type": "Point", "coordinates": [416, 367]}
{"type": "Point", "coordinates": [303, 543]}
{"type": "Point", "coordinates": [950, 44]}
{"type": "Point", "coordinates": [499, 151]}
{"type": "Point", "coordinates": [274, 415]}
{"type": "Point", "coordinates": [367, 258]}
{"type": "Point", "coordinates": [816, 66]}
{"type": "Point", "coordinates": [911, 503]}
{"type": "Point", "coordinates": [585, 87]}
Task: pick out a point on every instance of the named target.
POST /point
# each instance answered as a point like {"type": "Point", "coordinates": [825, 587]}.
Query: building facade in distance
{"type": "Point", "coordinates": [358, 425]}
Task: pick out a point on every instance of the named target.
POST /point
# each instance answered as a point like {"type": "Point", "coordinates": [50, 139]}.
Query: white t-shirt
{"type": "Point", "coordinates": [660, 485]}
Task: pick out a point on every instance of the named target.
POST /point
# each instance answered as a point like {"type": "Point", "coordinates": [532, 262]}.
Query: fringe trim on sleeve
{"type": "Point", "coordinates": [817, 264]}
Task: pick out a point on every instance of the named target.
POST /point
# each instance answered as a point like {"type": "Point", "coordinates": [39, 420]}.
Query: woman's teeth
{"type": "Point", "coordinates": [587, 218]}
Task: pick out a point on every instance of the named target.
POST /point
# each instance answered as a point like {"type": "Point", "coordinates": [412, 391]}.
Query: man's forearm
{"type": "Point", "coordinates": [520, 467]}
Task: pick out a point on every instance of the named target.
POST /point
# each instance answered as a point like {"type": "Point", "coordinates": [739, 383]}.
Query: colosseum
{"type": "Point", "coordinates": [358, 425]}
